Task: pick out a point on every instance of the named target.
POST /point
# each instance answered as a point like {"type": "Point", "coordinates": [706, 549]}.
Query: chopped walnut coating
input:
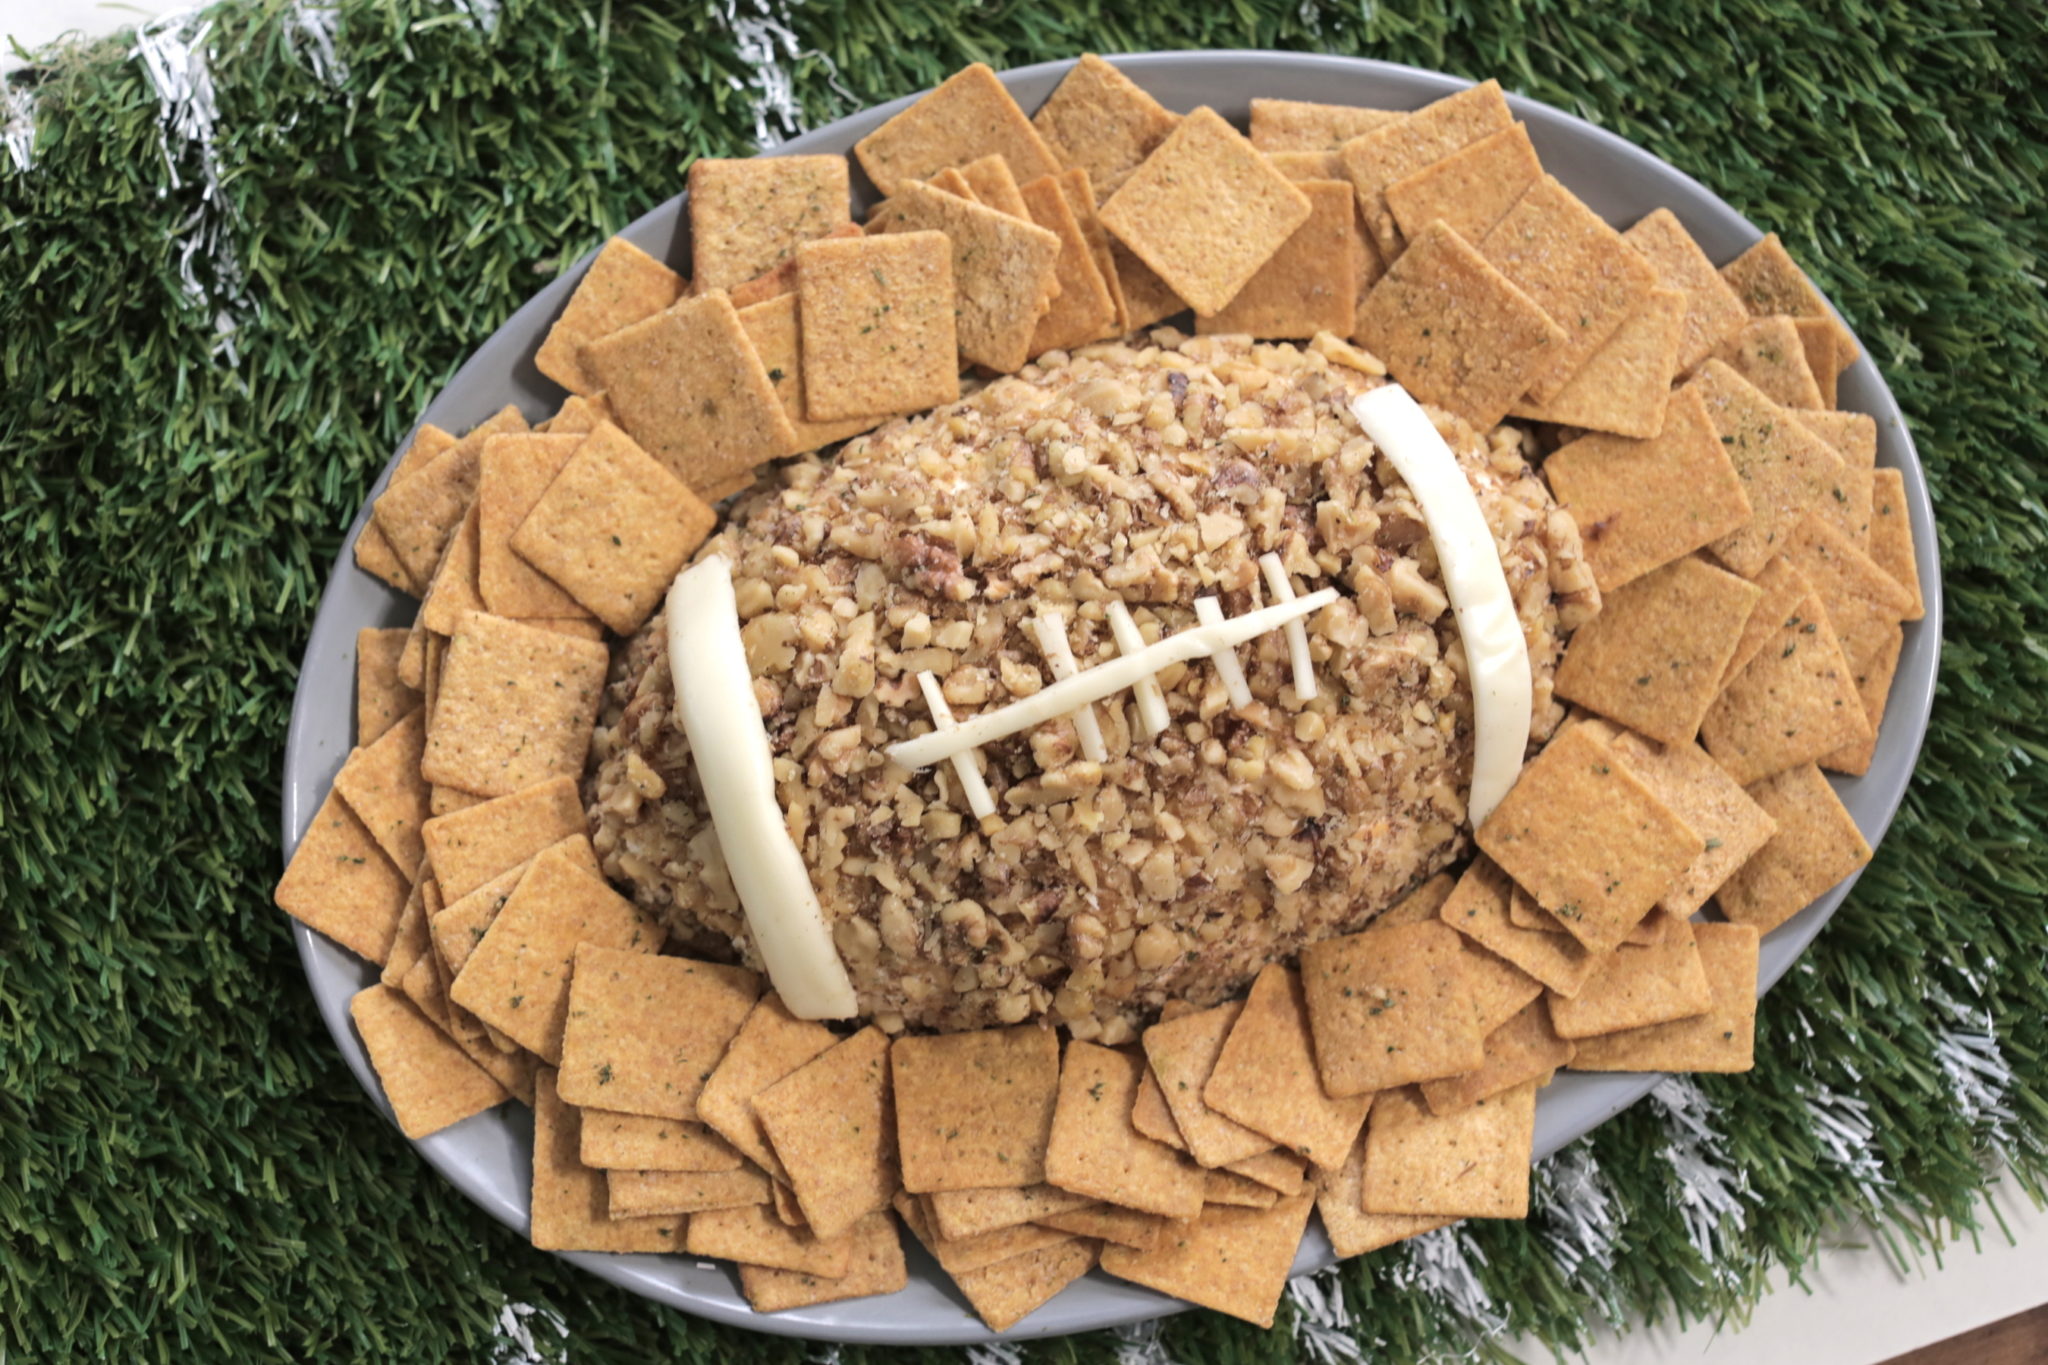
{"type": "Point", "coordinates": [1152, 472]}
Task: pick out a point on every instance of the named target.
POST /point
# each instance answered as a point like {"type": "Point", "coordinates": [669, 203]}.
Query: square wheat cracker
{"type": "Point", "coordinates": [1099, 120]}
{"type": "Point", "coordinates": [1713, 310]}
{"type": "Point", "coordinates": [1637, 987]}
{"type": "Point", "coordinates": [770, 1045]}
{"type": "Point", "coordinates": [878, 326]}
{"type": "Point", "coordinates": [644, 1031]}
{"type": "Point", "coordinates": [1853, 436]}
{"type": "Point", "coordinates": [990, 182]}
{"type": "Point", "coordinates": [470, 847]}
{"type": "Point", "coordinates": [1205, 211]}
{"type": "Point", "coordinates": [1265, 1076]}
{"type": "Point", "coordinates": [1874, 686]}
{"type": "Point", "coordinates": [623, 285]}
{"type": "Point", "coordinates": [1817, 337]}
{"type": "Point", "coordinates": [515, 471]}
{"type": "Point", "coordinates": [1080, 197]}
{"type": "Point", "coordinates": [1577, 269]}
{"type": "Point", "coordinates": [1302, 126]}
{"type": "Point", "coordinates": [951, 181]}
{"type": "Point", "coordinates": [778, 340]}
{"type": "Point", "coordinates": [430, 1082]}
{"type": "Point", "coordinates": [1300, 166]}
{"type": "Point", "coordinates": [1353, 1231]}
{"type": "Point", "coordinates": [1238, 1191]}
{"type": "Point", "coordinates": [1394, 150]}
{"type": "Point", "coordinates": [1784, 589]}
{"type": "Point", "coordinates": [832, 1126]}
{"type": "Point", "coordinates": [1864, 603]}
{"type": "Point", "coordinates": [1701, 793]}
{"type": "Point", "coordinates": [1768, 353]}
{"type": "Point", "coordinates": [962, 1256]}
{"type": "Point", "coordinates": [409, 939]}
{"type": "Point", "coordinates": [1003, 270]}
{"type": "Point", "coordinates": [1310, 284]}
{"type": "Point", "coordinates": [634, 1142]}
{"type": "Point", "coordinates": [577, 414]}
{"type": "Point", "coordinates": [1723, 1039]}
{"type": "Point", "coordinates": [752, 1235]}
{"type": "Point", "coordinates": [967, 116]}
{"type": "Point", "coordinates": [1479, 908]}
{"type": "Point", "coordinates": [1108, 1223]}
{"type": "Point", "coordinates": [1084, 309]}
{"type": "Point", "coordinates": [732, 422]}
{"type": "Point", "coordinates": [1282, 1172]}
{"type": "Point", "coordinates": [340, 884]}
{"type": "Point", "coordinates": [1816, 846]}
{"type": "Point", "coordinates": [749, 215]}
{"type": "Point", "coordinates": [1471, 1163]}
{"type": "Point", "coordinates": [1525, 1048]}
{"type": "Point", "coordinates": [1786, 470]}
{"type": "Point", "coordinates": [1148, 299]}
{"type": "Point", "coordinates": [1641, 504]}
{"type": "Point", "coordinates": [969, 1213]}
{"type": "Point", "coordinates": [1420, 904]}
{"type": "Point", "coordinates": [571, 1208]}
{"type": "Point", "coordinates": [420, 514]}
{"type": "Point", "coordinates": [517, 978]}
{"type": "Point", "coordinates": [1768, 281]}
{"type": "Point", "coordinates": [773, 285]}
{"type": "Point", "coordinates": [1625, 386]}
{"type": "Point", "coordinates": [1151, 1116]}
{"type": "Point", "coordinates": [974, 1110]}
{"type": "Point", "coordinates": [381, 783]}
{"type": "Point", "coordinates": [637, 1194]}
{"type": "Point", "coordinates": [451, 592]}
{"type": "Point", "coordinates": [613, 528]}
{"type": "Point", "coordinates": [875, 1266]}
{"type": "Point", "coordinates": [1097, 1152]}
{"type": "Point", "coordinates": [1793, 704]}
{"type": "Point", "coordinates": [1389, 1006]}
{"type": "Point", "coordinates": [1233, 1260]}
{"type": "Point", "coordinates": [373, 552]}
{"type": "Point", "coordinates": [1471, 189]}
{"type": "Point", "coordinates": [1182, 1053]}
{"type": "Point", "coordinates": [1654, 656]}
{"type": "Point", "coordinates": [516, 707]}
{"type": "Point", "coordinates": [381, 695]}
{"type": "Point", "coordinates": [1454, 330]}
{"type": "Point", "coordinates": [1006, 1293]}
{"type": "Point", "coordinates": [1584, 835]}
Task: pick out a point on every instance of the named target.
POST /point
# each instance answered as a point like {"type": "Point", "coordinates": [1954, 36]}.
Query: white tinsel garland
{"type": "Point", "coordinates": [516, 1342]}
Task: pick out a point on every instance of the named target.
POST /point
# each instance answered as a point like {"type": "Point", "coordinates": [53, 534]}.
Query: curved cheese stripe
{"type": "Point", "coordinates": [1151, 701]}
{"type": "Point", "coordinates": [715, 699]}
{"type": "Point", "coordinates": [966, 766]}
{"type": "Point", "coordinates": [1496, 653]}
{"type": "Point", "coordinates": [1210, 613]}
{"type": "Point", "coordinates": [1059, 656]}
{"type": "Point", "coordinates": [1101, 681]}
{"type": "Point", "coordinates": [1297, 633]}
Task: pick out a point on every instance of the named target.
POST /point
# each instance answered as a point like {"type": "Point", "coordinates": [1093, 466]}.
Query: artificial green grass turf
{"type": "Point", "coordinates": [185, 1167]}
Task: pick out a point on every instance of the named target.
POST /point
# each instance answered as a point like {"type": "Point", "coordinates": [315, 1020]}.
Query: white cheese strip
{"type": "Point", "coordinates": [1210, 613]}
{"type": "Point", "coordinates": [1101, 681]}
{"type": "Point", "coordinates": [1297, 633]}
{"type": "Point", "coordinates": [966, 766]}
{"type": "Point", "coordinates": [715, 700]}
{"type": "Point", "coordinates": [1151, 701]}
{"type": "Point", "coordinates": [1496, 653]}
{"type": "Point", "coordinates": [1059, 657]}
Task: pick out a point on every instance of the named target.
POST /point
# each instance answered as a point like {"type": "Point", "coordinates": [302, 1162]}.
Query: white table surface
{"type": "Point", "coordinates": [1856, 1308]}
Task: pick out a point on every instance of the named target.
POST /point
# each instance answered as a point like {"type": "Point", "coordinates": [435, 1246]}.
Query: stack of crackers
{"type": "Point", "coordinates": [1756, 570]}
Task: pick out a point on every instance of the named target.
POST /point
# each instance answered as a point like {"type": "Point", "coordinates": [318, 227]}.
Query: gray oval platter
{"type": "Point", "coordinates": [488, 1156]}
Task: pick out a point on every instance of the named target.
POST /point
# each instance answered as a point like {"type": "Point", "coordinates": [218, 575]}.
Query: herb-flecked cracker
{"type": "Point", "coordinates": [341, 884]}
{"type": "Point", "coordinates": [373, 552]}
{"type": "Point", "coordinates": [1353, 1231]}
{"type": "Point", "coordinates": [728, 420]}
{"type": "Point", "coordinates": [773, 285]}
{"type": "Point", "coordinates": [1099, 120]}
{"type": "Point", "coordinates": [451, 592]}
{"type": "Point", "coordinates": [1794, 703]}
{"type": "Point", "coordinates": [1635, 987]}
{"type": "Point", "coordinates": [1654, 656]}
{"type": "Point", "coordinates": [974, 1110]}
{"type": "Point", "coordinates": [516, 706]}
{"type": "Point", "coordinates": [1768, 281]}
{"type": "Point", "coordinates": [1265, 1076]}
{"type": "Point", "coordinates": [1723, 1039]}
{"type": "Point", "coordinates": [517, 978]}
{"type": "Point", "coordinates": [1006, 1293]}
{"type": "Point", "coordinates": [578, 414]}
{"type": "Point", "coordinates": [382, 697]}
{"type": "Point", "coordinates": [833, 1128]}
{"type": "Point", "coordinates": [1816, 845]}
{"type": "Point", "coordinates": [1377, 157]}
{"type": "Point", "coordinates": [381, 783]}
{"type": "Point", "coordinates": [644, 1031]}
{"type": "Point", "coordinates": [1479, 907]}
{"type": "Point", "coordinates": [970, 1213]}
{"type": "Point", "coordinates": [613, 528]}
{"type": "Point", "coordinates": [1701, 793]}
{"type": "Point", "coordinates": [1818, 338]}
{"type": "Point", "coordinates": [777, 334]}
{"type": "Point", "coordinates": [633, 1194]}
{"type": "Point", "coordinates": [1784, 589]}
{"type": "Point", "coordinates": [1863, 601]}
{"type": "Point", "coordinates": [1148, 299]}
{"type": "Point", "coordinates": [1471, 189]}
{"type": "Point", "coordinates": [1282, 1172]}
{"type": "Point", "coordinates": [964, 1255]}
{"type": "Point", "coordinates": [1389, 1006]}
{"type": "Point", "coordinates": [1234, 1260]}
{"type": "Point", "coordinates": [1227, 1187]}
{"type": "Point", "coordinates": [752, 1235]}
{"type": "Point", "coordinates": [967, 116]}
{"type": "Point", "coordinates": [430, 1082]}
{"type": "Point", "coordinates": [878, 326]}
{"type": "Point", "coordinates": [635, 1142]}
{"type": "Point", "coordinates": [420, 513]}
{"type": "Point", "coordinates": [1576, 268]}
{"type": "Point", "coordinates": [875, 1266]}
{"type": "Point", "coordinates": [1523, 1049]}
{"type": "Point", "coordinates": [1003, 270]}
{"type": "Point", "coordinates": [514, 472]}
{"type": "Point", "coordinates": [1080, 199]}
{"type": "Point", "coordinates": [1625, 386]}
{"type": "Point", "coordinates": [1769, 354]}
{"type": "Point", "coordinates": [624, 285]}
{"type": "Point", "coordinates": [1470, 1163]}
{"type": "Point", "coordinates": [1713, 310]}
{"type": "Point", "coordinates": [1874, 679]}
{"type": "Point", "coordinates": [472, 846]}
{"type": "Point", "coordinates": [1584, 835]}
{"type": "Point", "coordinates": [1084, 310]}
{"type": "Point", "coordinates": [770, 1045]}
{"type": "Point", "coordinates": [1310, 284]}
{"type": "Point", "coordinates": [1454, 330]}
{"type": "Point", "coordinates": [1205, 211]}
{"type": "Point", "coordinates": [1420, 904]}
{"type": "Point", "coordinates": [1786, 470]}
{"type": "Point", "coordinates": [989, 180]}
{"type": "Point", "coordinates": [1108, 1222]}
{"type": "Point", "coordinates": [571, 1208]}
{"type": "Point", "coordinates": [1151, 1115]}
{"type": "Point", "coordinates": [1096, 1151]}
{"type": "Point", "coordinates": [409, 940]}
{"type": "Point", "coordinates": [1182, 1053]}
{"type": "Point", "coordinates": [1303, 126]}
{"type": "Point", "coordinates": [749, 215]}
{"type": "Point", "coordinates": [1641, 504]}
